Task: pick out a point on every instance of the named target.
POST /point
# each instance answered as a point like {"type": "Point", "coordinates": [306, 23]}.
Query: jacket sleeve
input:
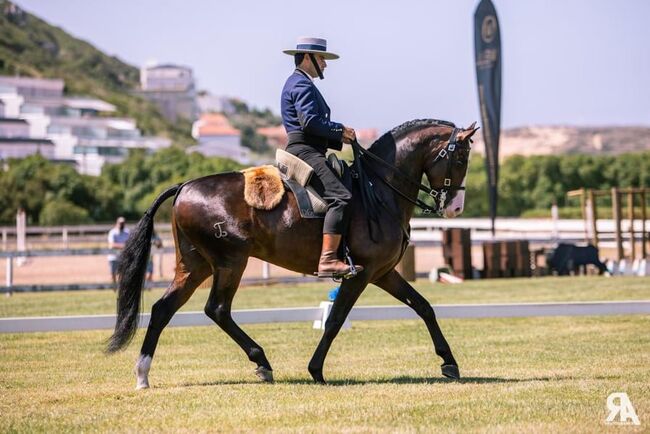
{"type": "Point", "coordinates": [313, 120]}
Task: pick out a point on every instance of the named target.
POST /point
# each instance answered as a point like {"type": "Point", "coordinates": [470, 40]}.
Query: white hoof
{"type": "Point", "coordinates": [141, 369]}
{"type": "Point", "coordinates": [264, 374]}
{"type": "Point", "coordinates": [142, 385]}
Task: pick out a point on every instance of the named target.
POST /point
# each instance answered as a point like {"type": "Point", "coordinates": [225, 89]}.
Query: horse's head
{"type": "Point", "coordinates": [446, 166]}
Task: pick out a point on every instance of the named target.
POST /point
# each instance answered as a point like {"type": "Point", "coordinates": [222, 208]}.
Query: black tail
{"type": "Point", "coordinates": [131, 271]}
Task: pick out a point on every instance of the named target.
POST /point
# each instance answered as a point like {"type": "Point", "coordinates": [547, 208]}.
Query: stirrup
{"type": "Point", "coordinates": [352, 272]}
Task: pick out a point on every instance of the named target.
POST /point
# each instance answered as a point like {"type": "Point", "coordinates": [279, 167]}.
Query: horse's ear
{"type": "Point", "coordinates": [468, 132]}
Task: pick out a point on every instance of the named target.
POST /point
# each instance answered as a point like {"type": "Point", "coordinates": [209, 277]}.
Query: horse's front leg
{"type": "Point", "coordinates": [399, 288]}
{"type": "Point", "coordinates": [350, 291]}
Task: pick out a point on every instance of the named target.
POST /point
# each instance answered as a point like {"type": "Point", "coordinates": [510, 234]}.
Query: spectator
{"type": "Point", "coordinates": [155, 242]}
{"type": "Point", "coordinates": [117, 237]}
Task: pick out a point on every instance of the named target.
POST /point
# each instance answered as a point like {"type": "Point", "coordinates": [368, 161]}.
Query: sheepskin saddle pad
{"type": "Point", "coordinates": [263, 187]}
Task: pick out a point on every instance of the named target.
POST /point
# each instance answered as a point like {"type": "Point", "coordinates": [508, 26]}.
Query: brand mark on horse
{"type": "Point", "coordinates": [221, 233]}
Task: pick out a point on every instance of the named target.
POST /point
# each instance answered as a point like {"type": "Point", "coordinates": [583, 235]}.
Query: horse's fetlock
{"type": "Point", "coordinates": [257, 355]}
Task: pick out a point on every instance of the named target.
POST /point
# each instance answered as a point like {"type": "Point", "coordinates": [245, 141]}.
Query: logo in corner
{"type": "Point", "coordinates": [489, 28]}
{"type": "Point", "coordinates": [619, 404]}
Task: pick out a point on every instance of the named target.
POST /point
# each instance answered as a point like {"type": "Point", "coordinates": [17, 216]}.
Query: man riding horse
{"type": "Point", "coordinates": [216, 231]}
{"type": "Point", "coordinates": [306, 118]}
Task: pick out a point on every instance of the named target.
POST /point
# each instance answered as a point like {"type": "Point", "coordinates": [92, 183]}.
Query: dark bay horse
{"type": "Point", "coordinates": [215, 233]}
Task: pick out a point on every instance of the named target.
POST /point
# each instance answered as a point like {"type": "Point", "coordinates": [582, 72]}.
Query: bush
{"type": "Point", "coordinates": [62, 212]}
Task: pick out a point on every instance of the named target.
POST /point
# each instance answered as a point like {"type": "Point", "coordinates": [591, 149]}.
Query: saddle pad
{"type": "Point", "coordinates": [293, 167]}
{"type": "Point", "coordinates": [263, 188]}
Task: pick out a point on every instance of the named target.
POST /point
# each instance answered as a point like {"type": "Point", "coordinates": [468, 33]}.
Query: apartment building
{"type": "Point", "coordinates": [39, 118]}
{"type": "Point", "coordinates": [172, 89]}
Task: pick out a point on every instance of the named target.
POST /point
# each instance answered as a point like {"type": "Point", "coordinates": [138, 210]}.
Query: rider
{"type": "Point", "coordinates": [306, 117]}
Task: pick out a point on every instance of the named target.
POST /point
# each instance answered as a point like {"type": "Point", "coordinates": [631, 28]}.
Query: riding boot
{"type": "Point", "coordinates": [330, 265]}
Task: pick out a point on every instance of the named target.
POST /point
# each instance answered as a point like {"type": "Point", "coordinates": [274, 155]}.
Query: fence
{"type": "Point", "coordinates": [424, 233]}
{"type": "Point", "coordinates": [10, 257]}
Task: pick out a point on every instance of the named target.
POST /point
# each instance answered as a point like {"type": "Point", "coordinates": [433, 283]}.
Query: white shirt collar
{"type": "Point", "coordinates": [305, 73]}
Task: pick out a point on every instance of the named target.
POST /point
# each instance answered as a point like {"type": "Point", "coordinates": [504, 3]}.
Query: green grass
{"type": "Point", "coordinates": [530, 374]}
{"type": "Point", "coordinates": [550, 374]}
{"type": "Point", "coordinates": [480, 291]}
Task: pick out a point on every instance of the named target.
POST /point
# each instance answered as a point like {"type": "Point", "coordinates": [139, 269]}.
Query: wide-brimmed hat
{"type": "Point", "coordinates": [312, 45]}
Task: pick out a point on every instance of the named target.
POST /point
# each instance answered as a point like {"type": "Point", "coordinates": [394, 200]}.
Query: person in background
{"type": "Point", "coordinates": [117, 237]}
{"type": "Point", "coordinates": [155, 242]}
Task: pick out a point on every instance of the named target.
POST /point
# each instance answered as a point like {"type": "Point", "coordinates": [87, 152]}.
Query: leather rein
{"type": "Point", "coordinates": [438, 194]}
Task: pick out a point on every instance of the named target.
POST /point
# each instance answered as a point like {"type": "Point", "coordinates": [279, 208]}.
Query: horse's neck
{"type": "Point", "coordinates": [405, 154]}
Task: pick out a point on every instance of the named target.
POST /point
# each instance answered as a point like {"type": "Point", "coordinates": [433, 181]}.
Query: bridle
{"type": "Point", "coordinates": [439, 194]}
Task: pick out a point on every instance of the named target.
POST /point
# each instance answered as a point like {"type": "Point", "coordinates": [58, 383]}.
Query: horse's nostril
{"type": "Point", "coordinates": [457, 209]}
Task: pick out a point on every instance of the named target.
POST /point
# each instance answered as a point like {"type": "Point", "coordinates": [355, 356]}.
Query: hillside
{"type": "Point", "coordinates": [31, 47]}
{"type": "Point", "coordinates": [550, 140]}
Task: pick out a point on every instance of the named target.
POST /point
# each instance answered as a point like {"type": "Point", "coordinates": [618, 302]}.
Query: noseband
{"type": "Point", "coordinates": [439, 194]}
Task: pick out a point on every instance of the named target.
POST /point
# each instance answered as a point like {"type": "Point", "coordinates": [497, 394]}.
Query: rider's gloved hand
{"type": "Point", "coordinates": [349, 135]}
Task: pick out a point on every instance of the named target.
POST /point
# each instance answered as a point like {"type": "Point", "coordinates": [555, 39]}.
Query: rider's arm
{"type": "Point", "coordinates": [312, 119]}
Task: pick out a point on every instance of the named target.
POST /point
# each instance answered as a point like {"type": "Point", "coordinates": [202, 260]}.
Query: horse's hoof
{"type": "Point", "coordinates": [317, 376]}
{"type": "Point", "coordinates": [451, 371]}
{"type": "Point", "coordinates": [265, 374]}
{"type": "Point", "coordinates": [141, 386]}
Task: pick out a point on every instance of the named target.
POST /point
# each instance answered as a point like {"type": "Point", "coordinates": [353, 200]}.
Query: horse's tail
{"type": "Point", "coordinates": [131, 270]}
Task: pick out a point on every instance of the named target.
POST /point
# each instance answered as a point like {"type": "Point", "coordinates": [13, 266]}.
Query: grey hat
{"type": "Point", "coordinates": [312, 45]}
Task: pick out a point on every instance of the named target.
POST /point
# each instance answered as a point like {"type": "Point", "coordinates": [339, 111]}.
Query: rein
{"type": "Point", "coordinates": [439, 194]}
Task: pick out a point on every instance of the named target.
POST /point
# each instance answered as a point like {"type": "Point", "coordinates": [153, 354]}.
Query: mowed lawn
{"type": "Point", "coordinates": [534, 374]}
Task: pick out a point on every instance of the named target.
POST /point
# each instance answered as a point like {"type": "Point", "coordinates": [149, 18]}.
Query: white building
{"type": "Point", "coordinates": [172, 89]}
{"type": "Point", "coordinates": [65, 128]}
{"type": "Point", "coordinates": [208, 103]}
{"type": "Point", "coordinates": [15, 141]}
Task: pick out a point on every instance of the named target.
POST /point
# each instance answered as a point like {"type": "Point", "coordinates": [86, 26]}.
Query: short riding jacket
{"type": "Point", "coordinates": [306, 115]}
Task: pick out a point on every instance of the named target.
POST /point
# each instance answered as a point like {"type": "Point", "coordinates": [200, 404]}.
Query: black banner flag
{"type": "Point", "coordinates": [487, 48]}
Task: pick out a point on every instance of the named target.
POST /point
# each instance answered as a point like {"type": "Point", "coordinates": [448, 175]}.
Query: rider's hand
{"type": "Point", "coordinates": [349, 135]}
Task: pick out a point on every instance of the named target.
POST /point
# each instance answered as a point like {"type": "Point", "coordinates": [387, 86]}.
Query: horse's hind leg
{"type": "Point", "coordinates": [399, 288]}
{"type": "Point", "coordinates": [191, 271]}
{"type": "Point", "coordinates": [218, 308]}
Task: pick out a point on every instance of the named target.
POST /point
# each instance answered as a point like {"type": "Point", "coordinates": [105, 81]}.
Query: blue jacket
{"type": "Point", "coordinates": [304, 109]}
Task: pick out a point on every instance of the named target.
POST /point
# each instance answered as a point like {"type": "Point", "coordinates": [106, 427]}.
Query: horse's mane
{"type": "Point", "coordinates": [409, 126]}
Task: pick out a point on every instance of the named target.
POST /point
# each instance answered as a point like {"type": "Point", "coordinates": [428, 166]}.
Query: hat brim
{"type": "Point", "coordinates": [326, 54]}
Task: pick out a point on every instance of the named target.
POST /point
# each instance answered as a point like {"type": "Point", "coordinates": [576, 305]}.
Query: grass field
{"type": "Point", "coordinates": [535, 374]}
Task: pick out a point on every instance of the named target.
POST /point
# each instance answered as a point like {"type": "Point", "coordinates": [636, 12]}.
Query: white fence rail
{"type": "Point", "coordinates": [316, 314]}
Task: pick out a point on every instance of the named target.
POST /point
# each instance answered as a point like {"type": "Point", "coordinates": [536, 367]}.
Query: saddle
{"type": "Point", "coordinates": [296, 175]}
{"type": "Point", "coordinates": [264, 186]}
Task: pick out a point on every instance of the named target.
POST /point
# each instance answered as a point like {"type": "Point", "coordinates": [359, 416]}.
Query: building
{"type": "Point", "coordinates": [217, 138]}
{"type": "Point", "coordinates": [93, 142]}
{"type": "Point", "coordinates": [15, 141]}
{"type": "Point", "coordinates": [172, 89]}
{"type": "Point", "coordinates": [208, 103]}
{"type": "Point", "coordinates": [38, 118]}
{"type": "Point", "coordinates": [276, 137]}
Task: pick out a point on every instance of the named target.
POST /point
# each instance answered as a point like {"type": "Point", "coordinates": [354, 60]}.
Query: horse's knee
{"type": "Point", "coordinates": [218, 313]}
{"type": "Point", "coordinates": [425, 311]}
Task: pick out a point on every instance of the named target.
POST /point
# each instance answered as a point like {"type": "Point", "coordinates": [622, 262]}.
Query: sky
{"type": "Point", "coordinates": [565, 62]}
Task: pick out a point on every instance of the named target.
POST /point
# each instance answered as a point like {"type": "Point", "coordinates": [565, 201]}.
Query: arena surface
{"type": "Point", "coordinates": [534, 374]}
